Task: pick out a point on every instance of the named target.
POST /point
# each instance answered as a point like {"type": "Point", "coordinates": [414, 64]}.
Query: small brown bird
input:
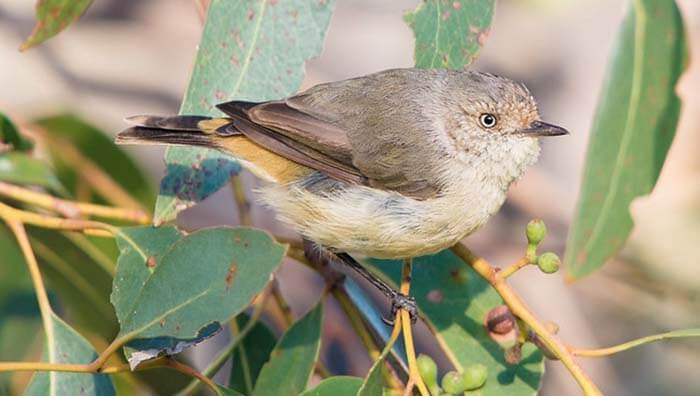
{"type": "Point", "coordinates": [395, 164]}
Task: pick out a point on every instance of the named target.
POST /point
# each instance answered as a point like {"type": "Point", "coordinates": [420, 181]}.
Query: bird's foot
{"type": "Point", "coordinates": [402, 301]}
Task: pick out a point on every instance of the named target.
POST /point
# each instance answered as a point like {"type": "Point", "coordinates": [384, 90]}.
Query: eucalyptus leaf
{"type": "Point", "coordinates": [223, 391]}
{"type": "Point", "coordinates": [9, 135]}
{"type": "Point", "coordinates": [632, 131]}
{"type": "Point", "coordinates": [20, 322]}
{"type": "Point", "coordinates": [52, 17]}
{"type": "Point", "coordinates": [251, 354]}
{"type": "Point", "coordinates": [172, 291]}
{"type": "Point", "coordinates": [95, 145]}
{"type": "Point", "coordinates": [449, 34]}
{"type": "Point", "coordinates": [20, 168]}
{"type": "Point", "coordinates": [455, 301]}
{"type": "Point", "coordinates": [79, 283]}
{"type": "Point", "coordinates": [250, 50]}
{"type": "Point", "coordinates": [373, 384]}
{"type": "Point", "coordinates": [336, 386]}
{"type": "Point", "coordinates": [292, 361]}
{"type": "Point", "coordinates": [65, 345]}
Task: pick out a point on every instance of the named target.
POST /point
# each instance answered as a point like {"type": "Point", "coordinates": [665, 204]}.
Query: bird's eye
{"type": "Point", "coordinates": [487, 120]}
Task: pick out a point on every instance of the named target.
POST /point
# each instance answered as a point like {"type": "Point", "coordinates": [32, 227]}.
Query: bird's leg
{"type": "Point", "coordinates": [318, 254]}
{"type": "Point", "coordinates": [398, 299]}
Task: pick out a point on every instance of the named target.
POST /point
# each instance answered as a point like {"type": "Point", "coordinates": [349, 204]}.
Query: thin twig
{"type": "Point", "coordinates": [518, 308]}
{"type": "Point", "coordinates": [602, 352]}
{"type": "Point", "coordinates": [405, 317]}
{"type": "Point", "coordinates": [87, 226]}
{"type": "Point", "coordinates": [223, 356]}
{"type": "Point", "coordinates": [281, 303]}
{"type": "Point", "coordinates": [353, 315]}
{"type": "Point", "coordinates": [242, 202]}
{"type": "Point", "coordinates": [42, 297]}
{"type": "Point", "coordinates": [102, 358]}
{"type": "Point", "coordinates": [513, 268]}
{"type": "Point", "coordinates": [187, 370]}
{"type": "Point", "coordinates": [71, 209]}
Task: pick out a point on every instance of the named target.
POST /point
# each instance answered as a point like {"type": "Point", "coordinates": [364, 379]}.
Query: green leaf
{"type": "Point", "coordinates": [449, 34]}
{"type": "Point", "coordinates": [78, 281]}
{"type": "Point", "coordinates": [20, 168]}
{"type": "Point", "coordinates": [52, 17]}
{"type": "Point", "coordinates": [172, 291]}
{"type": "Point", "coordinates": [223, 391]}
{"type": "Point", "coordinates": [633, 128]}
{"type": "Point", "coordinates": [19, 313]}
{"type": "Point", "coordinates": [250, 50]}
{"type": "Point", "coordinates": [336, 386]}
{"type": "Point", "coordinates": [250, 355]}
{"type": "Point", "coordinates": [455, 306]}
{"type": "Point", "coordinates": [65, 345]}
{"type": "Point", "coordinates": [10, 135]}
{"type": "Point", "coordinates": [96, 146]}
{"type": "Point", "coordinates": [292, 361]}
{"type": "Point", "coordinates": [373, 384]}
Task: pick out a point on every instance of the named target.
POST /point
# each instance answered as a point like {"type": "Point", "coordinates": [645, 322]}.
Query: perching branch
{"type": "Point", "coordinates": [414, 376]}
{"type": "Point", "coordinates": [520, 310]}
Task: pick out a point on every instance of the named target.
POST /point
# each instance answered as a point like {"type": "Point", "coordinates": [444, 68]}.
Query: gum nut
{"type": "Point", "coordinates": [535, 231]}
{"type": "Point", "coordinates": [427, 369]}
{"type": "Point", "coordinates": [548, 262]}
{"type": "Point", "coordinates": [475, 376]}
{"type": "Point", "coordinates": [453, 383]}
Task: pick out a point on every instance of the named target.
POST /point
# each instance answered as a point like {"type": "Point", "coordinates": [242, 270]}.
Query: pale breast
{"type": "Point", "coordinates": [386, 224]}
{"type": "Point", "coordinates": [378, 223]}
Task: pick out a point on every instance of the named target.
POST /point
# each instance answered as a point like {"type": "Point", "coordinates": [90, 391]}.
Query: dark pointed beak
{"type": "Point", "coordinates": [540, 128]}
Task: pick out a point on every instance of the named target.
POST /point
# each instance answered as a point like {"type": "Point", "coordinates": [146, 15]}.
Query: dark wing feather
{"type": "Point", "coordinates": [366, 129]}
{"type": "Point", "coordinates": [289, 148]}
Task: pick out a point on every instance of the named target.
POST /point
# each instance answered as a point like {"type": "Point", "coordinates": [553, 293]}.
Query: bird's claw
{"type": "Point", "coordinates": [402, 301]}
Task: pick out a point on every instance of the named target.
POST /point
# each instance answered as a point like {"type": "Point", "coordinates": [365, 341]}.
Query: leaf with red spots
{"type": "Point", "coordinates": [631, 134]}
{"type": "Point", "coordinates": [449, 34]}
{"type": "Point", "coordinates": [454, 301]}
{"type": "Point", "coordinates": [250, 50]}
{"type": "Point", "coordinates": [173, 290]}
{"type": "Point", "coordinates": [52, 17]}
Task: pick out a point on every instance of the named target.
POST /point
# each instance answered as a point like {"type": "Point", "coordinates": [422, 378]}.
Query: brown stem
{"type": "Point", "coordinates": [187, 370]}
{"type": "Point", "coordinates": [518, 308]}
{"type": "Point", "coordinates": [281, 303]}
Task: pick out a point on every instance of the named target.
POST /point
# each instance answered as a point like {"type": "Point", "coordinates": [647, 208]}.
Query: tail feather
{"type": "Point", "coordinates": [185, 130]}
{"type": "Point", "coordinates": [146, 135]}
{"type": "Point", "coordinates": [236, 107]}
{"type": "Point", "coordinates": [175, 123]}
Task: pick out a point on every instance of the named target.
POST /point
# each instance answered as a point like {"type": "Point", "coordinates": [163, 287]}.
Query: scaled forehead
{"type": "Point", "coordinates": [503, 95]}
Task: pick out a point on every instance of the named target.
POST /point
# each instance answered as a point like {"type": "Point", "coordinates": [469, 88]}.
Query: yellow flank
{"type": "Point", "coordinates": [210, 126]}
{"type": "Point", "coordinates": [261, 162]}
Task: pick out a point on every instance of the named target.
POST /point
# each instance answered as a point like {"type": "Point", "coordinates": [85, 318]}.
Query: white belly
{"type": "Point", "coordinates": [384, 224]}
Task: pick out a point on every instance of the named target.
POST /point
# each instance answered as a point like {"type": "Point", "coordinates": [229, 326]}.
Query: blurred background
{"type": "Point", "coordinates": [128, 57]}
